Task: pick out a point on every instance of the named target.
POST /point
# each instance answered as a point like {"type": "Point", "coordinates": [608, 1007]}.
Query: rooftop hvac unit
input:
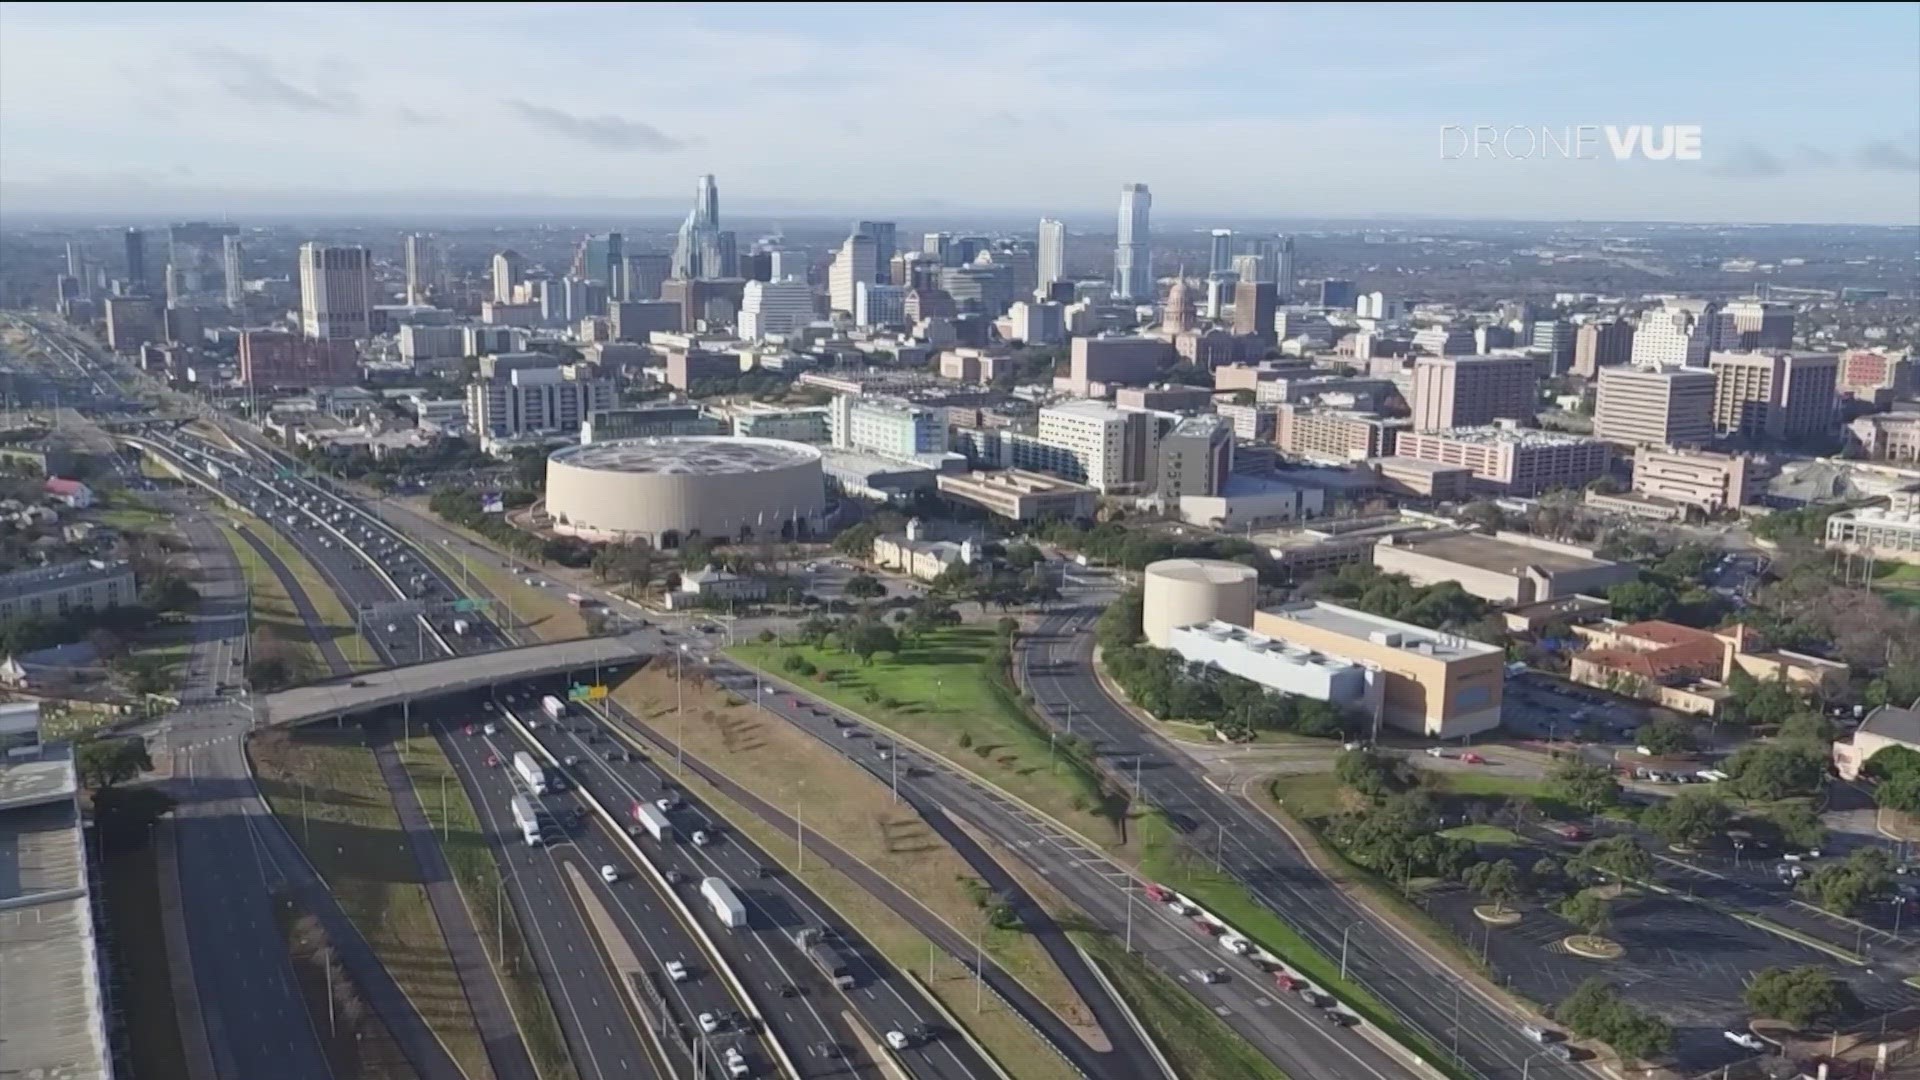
{"type": "Point", "coordinates": [1390, 638]}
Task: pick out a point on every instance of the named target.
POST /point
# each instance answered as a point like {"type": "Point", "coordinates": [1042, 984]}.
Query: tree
{"type": "Point", "coordinates": [1807, 726]}
{"type": "Point", "coordinates": [865, 587]}
{"type": "Point", "coordinates": [1688, 818]}
{"type": "Point", "coordinates": [1618, 857]}
{"type": "Point", "coordinates": [1798, 996]}
{"type": "Point", "coordinates": [1006, 626]}
{"type": "Point", "coordinates": [1767, 772]}
{"type": "Point", "coordinates": [270, 672]}
{"type": "Point", "coordinates": [870, 637]}
{"type": "Point", "coordinates": [1641, 600]}
{"type": "Point", "coordinates": [1023, 556]}
{"type": "Point", "coordinates": [1667, 735]}
{"type": "Point", "coordinates": [1586, 910]}
{"type": "Point", "coordinates": [1595, 1011]}
{"type": "Point", "coordinates": [103, 763]}
{"type": "Point", "coordinates": [1844, 887]}
{"type": "Point", "coordinates": [1592, 788]}
{"type": "Point", "coordinates": [1760, 703]}
{"type": "Point", "coordinates": [1799, 826]}
{"type": "Point", "coordinates": [1498, 882]}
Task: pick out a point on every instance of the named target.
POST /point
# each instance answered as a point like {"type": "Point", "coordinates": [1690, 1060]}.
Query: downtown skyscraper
{"type": "Point", "coordinates": [1052, 259]}
{"type": "Point", "coordinates": [703, 250]}
{"type": "Point", "coordinates": [1133, 254]}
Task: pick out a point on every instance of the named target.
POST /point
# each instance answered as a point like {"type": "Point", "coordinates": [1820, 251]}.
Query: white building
{"type": "Point", "coordinates": [852, 264]}
{"type": "Point", "coordinates": [1094, 443]}
{"type": "Point", "coordinates": [1051, 264]}
{"type": "Point", "coordinates": [336, 292]}
{"type": "Point", "coordinates": [1274, 664]}
{"type": "Point", "coordinates": [774, 307]}
{"type": "Point", "coordinates": [1680, 333]}
{"type": "Point", "coordinates": [431, 342]}
{"type": "Point", "coordinates": [509, 270]}
{"type": "Point", "coordinates": [887, 427]}
{"type": "Point", "coordinates": [879, 305]}
{"type": "Point", "coordinates": [537, 400]}
{"type": "Point", "coordinates": [1037, 322]}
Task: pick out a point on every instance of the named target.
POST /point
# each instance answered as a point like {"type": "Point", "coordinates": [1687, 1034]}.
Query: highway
{"type": "Point", "coordinates": [1292, 1034]}
{"type": "Point", "coordinates": [1056, 664]}
{"type": "Point", "coordinates": [776, 906]}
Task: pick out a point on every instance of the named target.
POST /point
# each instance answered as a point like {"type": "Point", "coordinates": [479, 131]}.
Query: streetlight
{"type": "Point", "coordinates": [679, 711]}
{"type": "Point", "coordinates": [1343, 950]}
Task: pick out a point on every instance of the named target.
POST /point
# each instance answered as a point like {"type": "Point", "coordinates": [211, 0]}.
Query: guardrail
{"type": "Point", "coordinates": [661, 884]}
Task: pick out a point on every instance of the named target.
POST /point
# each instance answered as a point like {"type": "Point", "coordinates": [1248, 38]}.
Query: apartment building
{"type": "Point", "coordinates": [1334, 434]}
{"type": "Point", "coordinates": [1599, 344]}
{"type": "Point", "coordinates": [538, 401]}
{"type": "Point", "coordinates": [52, 591]}
{"type": "Point", "coordinates": [1107, 449]}
{"type": "Point", "coordinates": [1668, 406]}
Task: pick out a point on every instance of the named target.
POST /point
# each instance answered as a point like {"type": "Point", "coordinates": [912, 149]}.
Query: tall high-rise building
{"type": "Point", "coordinates": [879, 305]}
{"type": "Point", "coordinates": [1600, 344]}
{"type": "Point", "coordinates": [1556, 337]}
{"type": "Point", "coordinates": [195, 251]}
{"type": "Point", "coordinates": [1775, 395]}
{"type": "Point", "coordinates": [336, 292]}
{"type": "Point", "coordinates": [884, 248]}
{"type": "Point", "coordinates": [702, 249]}
{"type": "Point", "coordinates": [854, 262]}
{"type": "Point", "coordinates": [1052, 260]}
{"type": "Point", "coordinates": [1220, 254]}
{"type": "Point", "coordinates": [940, 246]}
{"type": "Point", "coordinates": [1133, 254]}
{"type": "Point", "coordinates": [1281, 267]}
{"type": "Point", "coordinates": [136, 247]}
{"type": "Point", "coordinates": [1755, 324]}
{"type": "Point", "coordinates": [1679, 333]}
{"type": "Point", "coordinates": [1254, 305]}
{"type": "Point", "coordinates": [1468, 391]}
{"type": "Point", "coordinates": [424, 267]}
{"type": "Point", "coordinates": [1195, 458]}
{"type": "Point", "coordinates": [233, 261]}
{"type": "Point", "coordinates": [509, 270]}
{"type": "Point", "coordinates": [645, 273]}
{"type": "Point", "coordinates": [1654, 406]}
{"type": "Point", "coordinates": [1337, 293]}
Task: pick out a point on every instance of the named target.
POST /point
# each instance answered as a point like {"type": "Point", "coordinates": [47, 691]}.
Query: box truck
{"type": "Point", "coordinates": [554, 707]}
{"type": "Point", "coordinates": [824, 956]}
{"type": "Point", "coordinates": [530, 772]}
{"type": "Point", "coordinates": [652, 820]}
{"type": "Point", "coordinates": [528, 820]}
{"type": "Point", "coordinates": [724, 903]}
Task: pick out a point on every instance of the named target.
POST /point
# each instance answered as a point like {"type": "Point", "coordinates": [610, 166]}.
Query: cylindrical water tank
{"type": "Point", "coordinates": [1181, 592]}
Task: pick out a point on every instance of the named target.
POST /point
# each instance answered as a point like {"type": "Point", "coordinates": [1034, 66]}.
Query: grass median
{"type": "Point", "coordinates": [327, 789]}
{"type": "Point", "coordinates": [277, 628]}
{"type": "Point", "coordinates": [943, 692]}
{"type": "Point", "coordinates": [326, 602]}
{"type": "Point", "coordinates": [477, 874]}
{"type": "Point", "coordinates": [1012, 1042]}
{"type": "Point", "coordinates": [843, 803]}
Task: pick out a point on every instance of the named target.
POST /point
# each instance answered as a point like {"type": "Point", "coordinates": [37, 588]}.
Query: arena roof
{"type": "Point", "coordinates": [690, 455]}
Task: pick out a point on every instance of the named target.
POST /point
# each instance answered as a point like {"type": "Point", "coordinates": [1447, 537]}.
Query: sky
{"type": "Point", "coordinates": [1807, 113]}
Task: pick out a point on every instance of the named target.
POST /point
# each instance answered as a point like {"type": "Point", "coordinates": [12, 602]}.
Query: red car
{"type": "Point", "coordinates": [493, 761]}
{"type": "Point", "coordinates": [469, 729]}
{"type": "Point", "coordinates": [1158, 893]}
{"type": "Point", "coordinates": [1207, 928]}
{"type": "Point", "coordinates": [1286, 982]}
{"type": "Point", "coordinates": [1473, 758]}
{"type": "Point", "coordinates": [1570, 832]}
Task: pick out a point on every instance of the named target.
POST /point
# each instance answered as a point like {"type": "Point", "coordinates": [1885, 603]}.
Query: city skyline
{"type": "Point", "coordinates": [250, 111]}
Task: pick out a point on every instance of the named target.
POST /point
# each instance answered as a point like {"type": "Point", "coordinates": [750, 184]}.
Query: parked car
{"type": "Point", "coordinates": [1745, 1039]}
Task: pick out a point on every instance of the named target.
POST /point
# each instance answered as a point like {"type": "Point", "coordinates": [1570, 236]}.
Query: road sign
{"type": "Point", "coordinates": [284, 473]}
{"type": "Point", "coordinates": [392, 609]}
{"type": "Point", "coordinates": [466, 603]}
{"type": "Point", "coordinates": [582, 692]}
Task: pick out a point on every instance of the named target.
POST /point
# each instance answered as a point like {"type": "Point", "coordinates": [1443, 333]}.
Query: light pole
{"type": "Point", "coordinates": [799, 838]}
{"type": "Point", "coordinates": [679, 711]}
{"type": "Point", "coordinates": [1343, 950]}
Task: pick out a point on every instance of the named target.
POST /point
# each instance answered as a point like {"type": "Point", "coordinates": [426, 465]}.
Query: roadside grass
{"type": "Point", "coordinates": [277, 626]}
{"type": "Point", "coordinates": [1198, 1044]}
{"type": "Point", "coordinates": [326, 601]}
{"type": "Point", "coordinates": [478, 876]}
{"type": "Point", "coordinates": [1483, 834]}
{"type": "Point", "coordinates": [355, 1040]}
{"type": "Point", "coordinates": [151, 468]}
{"type": "Point", "coordinates": [784, 765]}
{"type": "Point", "coordinates": [942, 692]}
{"type": "Point", "coordinates": [547, 617]}
{"type": "Point", "coordinates": [131, 517]}
{"type": "Point", "coordinates": [1012, 1042]}
{"type": "Point", "coordinates": [328, 791]}
{"type": "Point", "coordinates": [142, 969]}
{"type": "Point", "coordinates": [1167, 861]}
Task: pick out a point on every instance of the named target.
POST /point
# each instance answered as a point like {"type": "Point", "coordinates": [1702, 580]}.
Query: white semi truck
{"type": "Point", "coordinates": [554, 707]}
{"type": "Point", "coordinates": [530, 772]}
{"type": "Point", "coordinates": [720, 897]}
{"type": "Point", "coordinates": [528, 820]}
{"type": "Point", "coordinates": [651, 819]}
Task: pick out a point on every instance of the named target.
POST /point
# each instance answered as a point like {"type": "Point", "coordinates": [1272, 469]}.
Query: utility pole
{"type": "Point", "coordinates": [799, 838]}
{"type": "Point", "coordinates": [679, 711]}
{"type": "Point", "coordinates": [1126, 890]}
{"type": "Point", "coordinates": [1343, 951]}
{"type": "Point", "coordinates": [979, 978]}
{"type": "Point", "coordinates": [333, 1030]}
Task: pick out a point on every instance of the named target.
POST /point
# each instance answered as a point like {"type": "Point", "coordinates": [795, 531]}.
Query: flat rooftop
{"type": "Point", "coordinates": [1359, 625]}
{"type": "Point", "coordinates": [52, 1013]}
{"type": "Point", "coordinates": [687, 455]}
{"type": "Point", "coordinates": [1012, 481]}
{"type": "Point", "coordinates": [1492, 435]}
{"type": "Point", "coordinates": [1492, 553]}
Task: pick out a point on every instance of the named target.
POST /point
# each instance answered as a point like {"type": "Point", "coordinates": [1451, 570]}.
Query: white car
{"type": "Point", "coordinates": [665, 805]}
{"type": "Point", "coordinates": [699, 838]}
{"type": "Point", "coordinates": [1236, 945]}
{"type": "Point", "coordinates": [676, 971]}
{"type": "Point", "coordinates": [708, 1024]}
{"type": "Point", "coordinates": [491, 729]}
{"type": "Point", "coordinates": [736, 1064]}
{"type": "Point", "coordinates": [1746, 1039]}
{"type": "Point", "coordinates": [898, 1040]}
{"type": "Point", "coordinates": [608, 874]}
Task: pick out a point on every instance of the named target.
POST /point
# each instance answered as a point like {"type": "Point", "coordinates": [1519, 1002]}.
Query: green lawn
{"type": "Point", "coordinates": [1197, 1043]}
{"type": "Point", "coordinates": [1477, 784]}
{"type": "Point", "coordinates": [277, 626]}
{"type": "Point", "coordinates": [1312, 797]}
{"type": "Point", "coordinates": [326, 602]}
{"type": "Point", "coordinates": [944, 693]}
{"type": "Point", "coordinates": [1483, 834]}
{"type": "Point", "coordinates": [478, 877]}
{"type": "Point", "coordinates": [1190, 873]}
